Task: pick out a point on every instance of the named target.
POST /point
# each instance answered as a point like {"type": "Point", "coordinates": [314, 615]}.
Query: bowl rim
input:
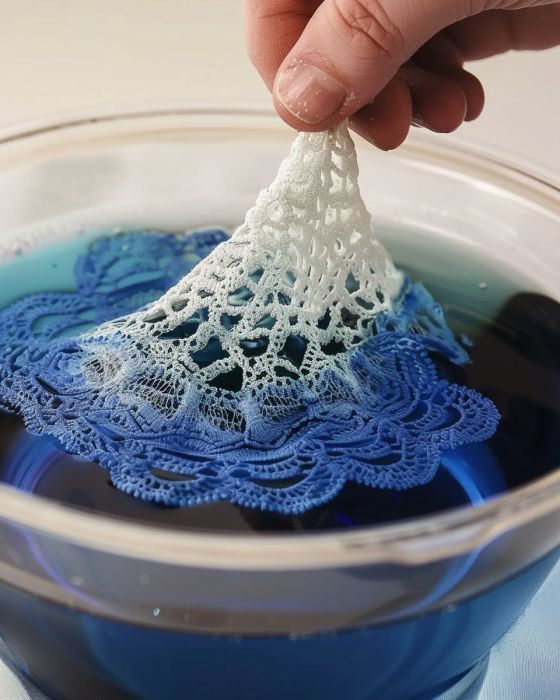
{"type": "Point", "coordinates": [417, 541]}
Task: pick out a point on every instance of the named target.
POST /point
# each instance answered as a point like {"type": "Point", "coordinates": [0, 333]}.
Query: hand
{"type": "Point", "coordinates": [387, 64]}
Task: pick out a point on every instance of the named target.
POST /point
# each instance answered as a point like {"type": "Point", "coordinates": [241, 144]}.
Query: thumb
{"type": "Point", "coordinates": [349, 51]}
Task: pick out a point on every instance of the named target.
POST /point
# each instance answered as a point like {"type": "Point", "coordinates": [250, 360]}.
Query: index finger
{"type": "Point", "coordinates": [272, 28]}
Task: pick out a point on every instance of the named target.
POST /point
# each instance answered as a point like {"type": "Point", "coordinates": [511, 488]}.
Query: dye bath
{"type": "Point", "coordinates": [515, 361]}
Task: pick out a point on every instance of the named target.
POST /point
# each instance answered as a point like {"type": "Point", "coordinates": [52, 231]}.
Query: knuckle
{"type": "Point", "coordinates": [368, 23]}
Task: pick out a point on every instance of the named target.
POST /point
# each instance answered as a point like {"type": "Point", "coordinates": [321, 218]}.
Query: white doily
{"type": "Point", "coordinates": [296, 287]}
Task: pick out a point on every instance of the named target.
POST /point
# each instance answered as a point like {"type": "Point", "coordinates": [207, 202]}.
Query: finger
{"type": "Point", "coordinates": [439, 49]}
{"type": "Point", "coordinates": [441, 56]}
{"type": "Point", "coordinates": [386, 121]}
{"type": "Point", "coordinates": [496, 32]}
{"type": "Point", "coordinates": [438, 102]}
{"type": "Point", "coordinates": [348, 52]}
{"type": "Point", "coordinates": [471, 87]}
{"type": "Point", "coordinates": [272, 27]}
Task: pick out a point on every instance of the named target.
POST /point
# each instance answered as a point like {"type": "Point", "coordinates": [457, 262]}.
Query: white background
{"type": "Point", "coordinates": [68, 55]}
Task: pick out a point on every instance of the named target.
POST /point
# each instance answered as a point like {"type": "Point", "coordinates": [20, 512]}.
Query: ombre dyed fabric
{"type": "Point", "coordinates": [290, 358]}
{"type": "Point", "coordinates": [387, 428]}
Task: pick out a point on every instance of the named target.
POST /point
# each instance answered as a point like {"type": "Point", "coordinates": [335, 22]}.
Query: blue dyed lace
{"type": "Point", "coordinates": [386, 426]}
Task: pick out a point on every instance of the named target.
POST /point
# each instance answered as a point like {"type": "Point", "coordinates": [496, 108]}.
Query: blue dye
{"type": "Point", "coordinates": [118, 274]}
{"type": "Point", "coordinates": [384, 423]}
{"type": "Point", "coordinates": [71, 653]}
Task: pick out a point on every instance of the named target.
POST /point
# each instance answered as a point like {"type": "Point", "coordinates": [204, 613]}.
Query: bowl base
{"type": "Point", "coordinates": [467, 686]}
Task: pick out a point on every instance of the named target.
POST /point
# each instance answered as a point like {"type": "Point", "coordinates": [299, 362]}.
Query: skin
{"type": "Point", "coordinates": [395, 63]}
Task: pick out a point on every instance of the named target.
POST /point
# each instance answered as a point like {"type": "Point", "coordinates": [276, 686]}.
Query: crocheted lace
{"type": "Point", "coordinates": [293, 357]}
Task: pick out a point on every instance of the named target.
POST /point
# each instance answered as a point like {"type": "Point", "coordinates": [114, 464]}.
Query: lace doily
{"type": "Point", "coordinates": [291, 358]}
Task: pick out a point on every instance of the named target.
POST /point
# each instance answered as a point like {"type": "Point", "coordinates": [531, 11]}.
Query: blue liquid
{"type": "Point", "coordinates": [70, 654]}
{"type": "Point", "coordinates": [467, 475]}
{"type": "Point", "coordinates": [75, 655]}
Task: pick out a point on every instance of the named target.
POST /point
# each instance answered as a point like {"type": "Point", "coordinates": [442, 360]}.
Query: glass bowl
{"type": "Point", "coordinates": [93, 606]}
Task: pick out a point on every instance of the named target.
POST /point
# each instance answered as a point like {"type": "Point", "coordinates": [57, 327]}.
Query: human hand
{"type": "Point", "coordinates": [387, 64]}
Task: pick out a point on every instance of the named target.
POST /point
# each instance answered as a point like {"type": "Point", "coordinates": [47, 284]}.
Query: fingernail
{"type": "Point", "coordinates": [309, 93]}
{"type": "Point", "coordinates": [417, 122]}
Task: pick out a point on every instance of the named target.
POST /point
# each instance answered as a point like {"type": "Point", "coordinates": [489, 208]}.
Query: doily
{"type": "Point", "coordinates": [293, 357]}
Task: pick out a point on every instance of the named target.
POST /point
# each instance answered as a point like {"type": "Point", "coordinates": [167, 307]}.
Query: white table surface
{"type": "Point", "coordinates": [66, 56]}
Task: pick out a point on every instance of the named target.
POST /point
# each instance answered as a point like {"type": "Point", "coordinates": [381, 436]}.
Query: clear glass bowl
{"type": "Point", "coordinates": [123, 610]}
